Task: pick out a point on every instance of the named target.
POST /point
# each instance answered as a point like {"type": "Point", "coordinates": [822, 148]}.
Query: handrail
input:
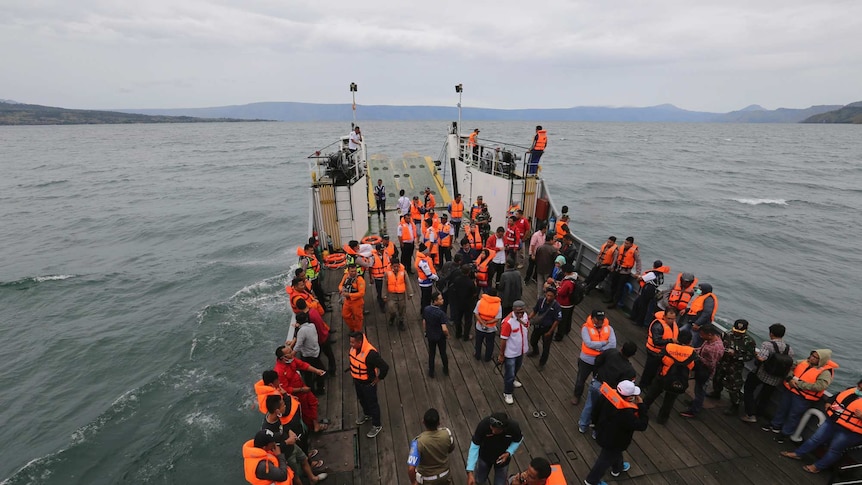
{"type": "Point", "coordinates": [796, 437]}
{"type": "Point", "coordinates": [491, 161]}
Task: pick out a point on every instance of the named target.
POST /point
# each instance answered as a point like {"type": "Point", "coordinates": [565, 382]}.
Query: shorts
{"type": "Point", "coordinates": [296, 459]}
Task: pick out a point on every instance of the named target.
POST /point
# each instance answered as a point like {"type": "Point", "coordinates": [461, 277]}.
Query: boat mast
{"type": "Point", "coordinates": [459, 88]}
{"type": "Point", "coordinates": [353, 89]}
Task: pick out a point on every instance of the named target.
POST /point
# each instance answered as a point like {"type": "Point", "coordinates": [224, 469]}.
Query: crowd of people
{"type": "Point", "coordinates": [476, 292]}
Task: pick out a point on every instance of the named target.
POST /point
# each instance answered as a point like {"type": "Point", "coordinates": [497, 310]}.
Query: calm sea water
{"type": "Point", "coordinates": [142, 267]}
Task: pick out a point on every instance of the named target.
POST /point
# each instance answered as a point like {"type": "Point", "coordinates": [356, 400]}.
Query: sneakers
{"type": "Point", "coordinates": [749, 419]}
{"type": "Point", "coordinates": [518, 384]}
{"type": "Point", "coordinates": [508, 399]}
{"type": "Point", "coordinates": [582, 429]}
{"type": "Point", "coordinates": [779, 438]}
{"type": "Point", "coordinates": [375, 430]}
{"type": "Point", "coordinates": [321, 477]}
{"type": "Point", "coordinates": [593, 433]}
{"type": "Point", "coordinates": [769, 427]}
{"type": "Point", "coordinates": [687, 414]}
{"type": "Point", "coordinates": [626, 467]}
{"type": "Point", "coordinates": [362, 419]}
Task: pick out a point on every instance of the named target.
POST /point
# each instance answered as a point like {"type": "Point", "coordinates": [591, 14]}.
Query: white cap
{"type": "Point", "coordinates": [628, 388]}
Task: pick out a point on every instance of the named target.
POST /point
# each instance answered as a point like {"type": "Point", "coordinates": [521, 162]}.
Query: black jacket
{"type": "Point", "coordinates": [615, 427]}
{"type": "Point", "coordinates": [612, 367]}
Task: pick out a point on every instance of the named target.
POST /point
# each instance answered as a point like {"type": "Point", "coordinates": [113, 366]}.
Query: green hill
{"type": "Point", "coordinates": [12, 113]}
{"type": "Point", "coordinates": [852, 113]}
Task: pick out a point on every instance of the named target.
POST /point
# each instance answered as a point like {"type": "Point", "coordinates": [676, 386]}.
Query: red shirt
{"type": "Point", "coordinates": [512, 238]}
{"type": "Point", "coordinates": [322, 329]}
{"type": "Point", "coordinates": [523, 226]}
{"type": "Point", "coordinates": [288, 376]}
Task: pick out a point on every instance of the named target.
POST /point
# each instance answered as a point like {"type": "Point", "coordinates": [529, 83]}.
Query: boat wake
{"type": "Point", "coordinates": [37, 279]}
{"type": "Point", "coordinates": [762, 201]}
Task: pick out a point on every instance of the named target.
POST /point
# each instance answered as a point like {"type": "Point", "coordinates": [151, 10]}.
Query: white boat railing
{"type": "Point", "coordinates": [500, 159]}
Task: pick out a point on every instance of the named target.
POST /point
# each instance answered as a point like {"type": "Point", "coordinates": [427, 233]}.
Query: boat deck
{"type": "Point", "coordinates": [404, 173]}
{"type": "Point", "coordinates": [712, 449]}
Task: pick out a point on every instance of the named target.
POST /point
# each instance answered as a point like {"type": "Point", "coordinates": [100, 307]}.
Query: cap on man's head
{"type": "Point", "coordinates": [560, 260]}
{"type": "Point", "coordinates": [385, 236]}
{"type": "Point", "coordinates": [689, 277]}
{"type": "Point", "coordinates": [598, 315]}
{"type": "Point", "coordinates": [263, 438]}
{"type": "Point", "coordinates": [519, 304]}
{"type": "Point", "coordinates": [628, 389]}
{"type": "Point", "coordinates": [657, 263]}
{"type": "Point", "coordinates": [740, 326]}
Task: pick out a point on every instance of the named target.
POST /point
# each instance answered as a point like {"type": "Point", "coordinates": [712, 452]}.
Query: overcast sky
{"type": "Point", "coordinates": [697, 54]}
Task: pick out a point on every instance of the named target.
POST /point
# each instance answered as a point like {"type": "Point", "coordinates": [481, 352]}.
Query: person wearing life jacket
{"type": "Point", "coordinates": [628, 261]}
{"type": "Point", "coordinates": [605, 259]}
{"type": "Point", "coordinates": [539, 472]}
{"type": "Point", "coordinates": [416, 210]}
{"type": "Point", "coordinates": [662, 331]}
{"type": "Point", "coordinates": [682, 291]}
{"type": "Point", "coordinates": [426, 274]}
{"type": "Point", "coordinates": [380, 263]}
{"type": "Point", "coordinates": [804, 386]}
{"type": "Point", "coordinates": [473, 143]}
{"type": "Point", "coordinates": [488, 312]}
{"type": "Point", "coordinates": [483, 261]}
{"type": "Point", "coordinates": [389, 247]}
{"type": "Point", "coordinates": [311, 267]}
{"type": "Point", "coordinates": [649, 282]}
{"type": "Point", "coordinates": [268, 385]}
{"type": "Point", "coordinates": [289, 438]}
{"type": "Point", "coordinates": [445, 236]}
{"type": "Point", "coordinates": [617, 415]}
{"type": "Point", "coordinates": [597, 335]}
{"type": "Point", "coordinates": [680, 352]}
{"type": "Point", "coordinates": [700, 312]}
{"type": "Point", "coordinates": [474, 240]}
{"type": "Point", "coordinates": [353, 257]}
{"type": "Point", "coordinates": [407, 239]}
{"type": "Point", "coordinates": [395, 293]}
{"type": "Point", "coordinates": [352, 288]}
{"type": "Point", "coordinates": [430, 201]}
{"type": "Point", "coordinates": [263, 461]}
{"type": "Point", "coordinates": [612, 367]}
{"type": "Point", "coordinates": [297, 290]}
{"type": "Point", "coordinates": [841, 430]}
{"type": "Point", "coordinates": [456, 213]}
{"type": "Point", "coordinates": [429, 237]}
{"type": "Point", "coordinates": [476, 208]}
{"type": "Point", "coordinates": [367, 368]}
{"type": "Point", "coordinates": [562, 227]}
{"type": "Point", "coordinates": [540, 141]}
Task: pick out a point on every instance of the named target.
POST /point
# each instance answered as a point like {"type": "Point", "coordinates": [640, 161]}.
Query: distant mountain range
{"type": "Point", "coordinates": [290, 111]}
{"type": "Point", "coordinates": [852, 113]}
{"type": "Point", "coordinates": [14, 113]}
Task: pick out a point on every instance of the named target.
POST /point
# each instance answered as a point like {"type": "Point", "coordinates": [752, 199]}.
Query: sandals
{"type": "Point", "coordinates": [324, 421]}
{"type": "Point", "coordinates": [791, 455]}
{"type": "Point", "coordinates": [312, 453]}
{"type": "Point", "coordinates": [811, 469]}
{"type": "Point", "coordinates": [316, 464]}
{"type": "Point", "coordinates": [322, 428]}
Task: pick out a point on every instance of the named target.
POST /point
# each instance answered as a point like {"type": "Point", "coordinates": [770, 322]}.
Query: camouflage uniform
{"type": "Point", "coordinates": [729, 371]}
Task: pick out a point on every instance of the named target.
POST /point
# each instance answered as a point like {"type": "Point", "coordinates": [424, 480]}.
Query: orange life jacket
{"type": "Point", "coordinates": [416, 210]}
{"type": "Point", "coordinates": [379, 266]}
{"type": "Point", "coordinates": [430, 201]}
{"type": "Point", "coordinates": [626, 258]}
{"type": "Point", "coordinates": [697, 305]}
{"type": "Point", "coordinates": [541, 140]}
{"type": "Point", "coordinates": [431, 242]}
{"type": "Point", "coordinates": [407, 232]}
{"type": "Point", "coordinates": [252, 456]}
{"type": "Point", "coordinates": [670, 332]}
{"type": "Point", "coordinates": [396, 283]}
{"type": "Point", "coordinates": [558, 229]}
{"type": "Point", "coordinates": [390, 249]}
{"type": "Point", "coordinates": [312, 270]}
{"type": "Point", "coordinates": [614, 397]}
{"type": "Point", "coordinates": [807, 373]}
{"type": "Point", "coordinates": [602, 334]}
{"type": "Point", "coordinates": [474, 238]}
{"type": "Point", "coordinates": [306, 295]}
{"type": "Point", "coordinates": [471, 142]}
{"type": "Point", "coordinates": [444, 236]}
{"type": "Point", "coordinates": [680, 297]}
{"type": "Point", "coordinates": [475, 210]}
{"type": "Point", "coordinates": [659, 278]}
{"type": "Point", "coordinates": [489, 307]}
{"type": "Point", "coordinates": [606, 255]}
{"type": "Point", "coordinates": [263, 391]}
{"type": "Point", "coordinates": [843, 410]}
{"type": "Point", "coordinates": [679, 352]}
{"type": "Point", "coordinates": [556, 477]}
{"type": "Point", "coordinates": [424, 278]}
{"type": "Point", "coordinates": [358, 367]}
{"type": "Point", "coordinates": [456, 210]}
{"type": "Point", "coordinates": [482, 267]}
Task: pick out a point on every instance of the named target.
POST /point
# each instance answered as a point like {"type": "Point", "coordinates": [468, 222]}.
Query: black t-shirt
{"type": "Point", "coordinates": [491, 445]}
{"type": "Point", "coordinates": [280, 433]}
{"type": "Point", "coordinates": [434, 318]}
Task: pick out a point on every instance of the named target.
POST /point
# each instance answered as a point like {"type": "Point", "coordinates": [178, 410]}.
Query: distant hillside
{"type": "Point", "coordinates": [852, 113]}
{"type": "Point", "coordinates": [12, 113]}
{"type": "Point", "coordinates": [757, 114]}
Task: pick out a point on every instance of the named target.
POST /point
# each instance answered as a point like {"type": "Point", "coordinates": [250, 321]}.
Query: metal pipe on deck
{"type": "Point", "coordinates": [796, 437]}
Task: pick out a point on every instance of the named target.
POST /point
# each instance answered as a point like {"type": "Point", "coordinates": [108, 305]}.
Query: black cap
{"type": "Point", "coordinates": [263, 438]}
{"type": "Point", "coordinates": [657, 263]}
{"type": "Point", "coordinates": [598, 314]}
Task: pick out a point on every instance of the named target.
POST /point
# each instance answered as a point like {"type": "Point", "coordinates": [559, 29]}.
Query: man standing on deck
{"type": "Point", "coordinates": [612, 366]}
{"type": "Point", "coordinates": [307, 347]}
{"type": "Point", "coordinates": [628, 259]}
{"type": "Point", "coordinates": [708, 356]}
{"type": "Point", "coordinates": [495, 440]}
{"type": "Point", "coordinates": [324, 333]}
{"type": "Point", "coordinates": [536, 240]}
{"type": "Point", "coordinates": [483, 220]}
{"type": "Point", "coordinates": [434, 326]}
{"type": "Point", "coordinates": [352, 288]}
{"type": "Point", "coordinates": [445, 237]}
{"type": "Point", "coordinates": [739, 348]}
{"type": "Point", "coordinates": [395, 292]}
{"type": "Point", "coordinates": [701, 312]}
{"type": "Point", "coordinates": [545, 317]}
{"type": "Point", "coordinates": [545, 255]}
{"type": "Point", "coordinates": [473, 143]}
{"type": "Point", "coordinates": [288, 367]}
{"type": "Point", "coordinates": [768, 375]}
{"type": "Point", "coordinates": [618, 415]}
{"type": "Point", "coordinates": [380, 264]}
{"type": "Point", "coordinates": [462, 295]}
{"type": "Point", "coordinates": [430, 201]}
{"type": "Point", "coordinates": [662, 331]}
{"type": "Point", "coordinates": [407, 240]}
{"type": "Point", "coordinates": [427, 275]}
{"type": "Point", "coordinates": [456, 212]}
{"type": "Point", "coordinates": [496, 243]}
{"type": "Point", "coordinates": [514, 343]}
{"type": "Point", "coordinates": [568, 295]}
{"type": "Point", "coordinates": [605, 259]}
{"type": "Point", "coordinates": [380, 197]}
{"type": "Point", "coordinates": [649, 283]}
{"type": "Point", "coordinates": [311, 267]}
{"type": "Point", "coordinates": [540, 141]}
{"type": "Point", "coordinates": [597, 335]}
{"type": "Point", "coordinates": [367, 368]}
{"type": "Point", "coordinates": [354, 141]}
{"type": "Point", "coordinates": [677, 362]}
{"type": "Point", "coordinates": [428, 460]}
{"type": "Point", "coordinates": [510, 286]}
{"type": "Point", "coordinates": [403, 204]}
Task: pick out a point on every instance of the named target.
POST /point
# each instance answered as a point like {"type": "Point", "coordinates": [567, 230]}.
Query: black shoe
{"type": "Point", "coordinates": [779, 438]}
{"type": "Point", "coordinates": [431, 375]}
{"type": "Point", "coordinates": [714, 395]}
{"type": "Point", "coordinates": [558, 338]}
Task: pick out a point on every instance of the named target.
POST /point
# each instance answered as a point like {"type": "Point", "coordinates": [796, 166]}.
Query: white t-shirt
{"type": "Point", "coordinates": [354, 141]}
{"type": "Point", "coordinates": [404, 205]}
{"type": "Point", "coordinates": [515, 335]}
{"type": "Point", "coordinates": [500, 257]}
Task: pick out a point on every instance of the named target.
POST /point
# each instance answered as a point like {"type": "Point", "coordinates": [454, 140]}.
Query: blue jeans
{"type": "Point", "coordinates": [486, 338]}
{"type": "Point", "coordinates": [593, 394]}
{"type": "Point", "coordinates": [839, 439]}
{"type": "Point", "coordinates": [483, 470]}
{"type": "Point", "coordinates": [510, 370]}
{"type": "Point", "coordinates": [790, 409]}
{"type": "Point", "coordinates": [699, 396]}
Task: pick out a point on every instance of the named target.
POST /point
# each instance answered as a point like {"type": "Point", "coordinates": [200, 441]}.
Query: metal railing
{"type": "Point", "coordinates": [495, 158]}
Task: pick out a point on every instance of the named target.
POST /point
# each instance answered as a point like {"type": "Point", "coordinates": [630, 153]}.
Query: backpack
{"type": "Point", "coordinates": [579, 292]}
{"type": "Point", "coordinates": [778, 364]}
{"type": "Point", "coordinates": [676, 379]}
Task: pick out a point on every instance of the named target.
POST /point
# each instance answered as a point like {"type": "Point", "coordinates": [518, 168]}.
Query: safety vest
{"type": "Point", "coordinates": [312, 270]}
{"type": "Point", "coordinates": [430, 202]}
{"type": "Point", "coordinates": [697, 305]}
{"type": "Point", "coordinates": [475, 210]}
{"type": "Point", "coordinates": [252, 456]}
{"type": "Point", "coordinates": [351, 259]}
{"type": "Point", "coordinates": [435, 222]}
{"type": "Point", "coordinates": [541, 140]}
{"type": "Point", "coordinates": [489, 307]}
{"type": "Point", "coordinates": [424, 278]}
{"type": "Point", "coordinates": [444, 236]}
{"type": "Point", "coordinates": [474, 238]}
{"type": "Point", "coordinates": [606, 255]}
{"type": "Point", "coordinates": [558, 229]}
{"type": "Point", "coordinates": [669, 332]}
{"type": "Point", "coordinates": [659, 276]}
{"type": "Point", "coordinates": [842, 410]}
{"type": "Point", "coordinates": [396, 283]}
{"type": "Point", "coordinates": [556, 477]}
{"type": "Point", "coordinates": [676, 353]}
{"type": "Point", "coordinates": [407, 232]}
{"type": "Point", "coordinates": [295, 295]}
{"type": "Point", "coordinates": [626, 258]}
{"type": "Point", "coordinates": [358, 286]}
{"type": "Point", "coordinates": [263, 391]}
{"type": "Point", "coordinates": [471, 142]}
{"type": "Point", "coordinates": [358, 366]}
{"type": "Point", "coordinates": [380, 265]}
{"type": "Point", "coordinates": [456, 210]}
{"type": "Point", "coordinates": [416, 210]}
{"type": "Point", "coordinates": [431, 240]}
{"type": "Point", "coordinates": [602, 334]}
{"type": "Point", "coordinates": [614, 397]}
{"type": "Point", "coordinates": [482, 268]}
{"type": "Point", "coordinates": [678, 297]}
{"type": "Point", "coordinates": [806, 373]}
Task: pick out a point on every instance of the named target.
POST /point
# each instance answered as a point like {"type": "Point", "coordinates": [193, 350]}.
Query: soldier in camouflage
{"type": "Point", "coordinates": [739, 348]}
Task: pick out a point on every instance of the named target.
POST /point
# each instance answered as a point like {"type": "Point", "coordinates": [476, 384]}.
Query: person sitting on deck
{"type": "Point", "coordinates": [264, 463]}
{"type": "Point", "coordinates": [287, 436]}
{"type": "Point", "coordinates": [288, 366]}
{"type": "Point", "coordinates": [495, 440]}
{"type": "Point", "coordinates": [539, 472]}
